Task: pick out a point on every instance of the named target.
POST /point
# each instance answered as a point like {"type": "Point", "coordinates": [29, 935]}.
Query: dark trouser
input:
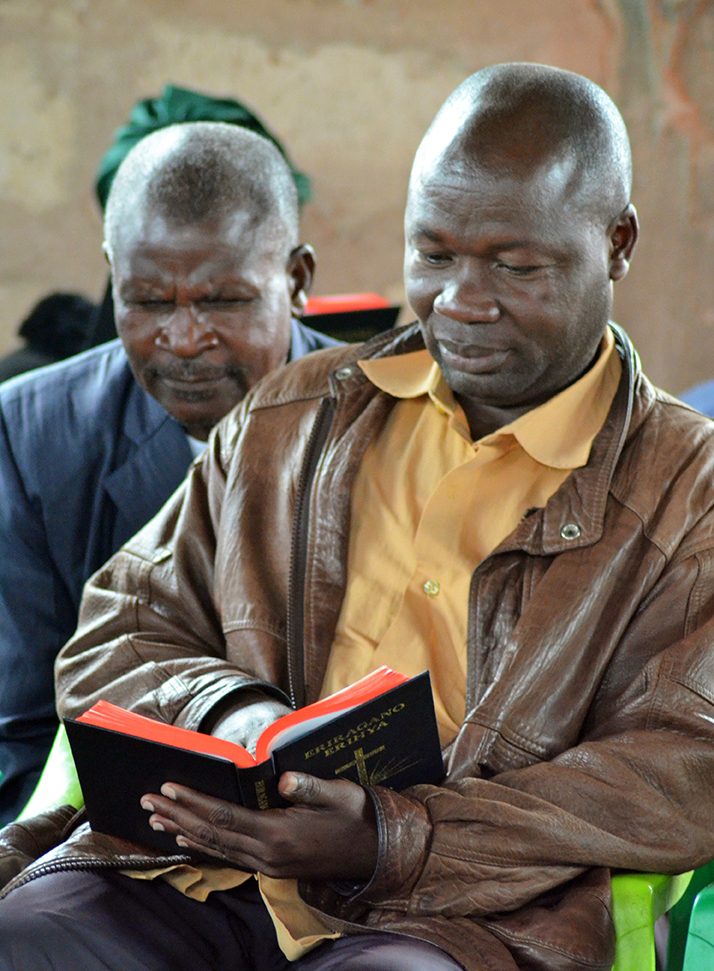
{"type": "Point", "coordinates": [107, 922]}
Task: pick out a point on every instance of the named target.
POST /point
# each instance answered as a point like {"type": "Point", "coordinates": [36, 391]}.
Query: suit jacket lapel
{"type": "Point", "coordinates": [158, 457]}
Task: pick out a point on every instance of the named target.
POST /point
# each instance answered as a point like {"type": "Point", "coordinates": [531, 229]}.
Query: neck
{"type": "Point", "coordinates": [485, 419]}
{"type": "Point", "coordinates": [199, 432]}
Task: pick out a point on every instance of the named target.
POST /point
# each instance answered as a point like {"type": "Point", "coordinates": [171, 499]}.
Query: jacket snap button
{"type": "Point", "coordinates": [343, 372]}
{"type": "Point", "coordinates": [570, 531]}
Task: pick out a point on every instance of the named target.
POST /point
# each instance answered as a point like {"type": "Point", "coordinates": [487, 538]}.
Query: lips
{"type": "Point", "coordinates": [471, 358]}
{"type": "Point", "coordinates": [192, 382]}
{"type": "Point", "coordinates": [188, 375]}
{"type": "Point", "coordinates": [191, 391]}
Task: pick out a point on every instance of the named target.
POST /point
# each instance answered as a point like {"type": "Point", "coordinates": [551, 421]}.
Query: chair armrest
{"type": "Point", "coordinates": [638, 900]}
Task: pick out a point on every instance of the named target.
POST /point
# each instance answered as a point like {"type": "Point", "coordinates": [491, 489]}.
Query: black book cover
{"type": "Point", "coordinates": [391, 740]}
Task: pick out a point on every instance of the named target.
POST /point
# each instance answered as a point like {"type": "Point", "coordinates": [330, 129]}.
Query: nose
{"type": "Point", "coordinates": [468, 298]}
{"type": "Point", "coordinates": [185, 334]}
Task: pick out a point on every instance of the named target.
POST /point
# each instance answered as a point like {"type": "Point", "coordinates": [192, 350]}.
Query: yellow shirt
{"type": "Point", "coordinates": [428, 504]}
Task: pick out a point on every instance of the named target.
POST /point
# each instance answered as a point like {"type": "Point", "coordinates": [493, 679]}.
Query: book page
{"type": "Point", "coordinates": [298, 723]}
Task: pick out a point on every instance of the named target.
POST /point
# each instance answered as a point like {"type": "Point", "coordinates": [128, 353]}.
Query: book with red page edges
{"type": "Point", "coordinates": [379, 731]}
{"type": "Point", "coordinates": [106, 715]}
{"type": "Point", "coordinates": [297, 723]}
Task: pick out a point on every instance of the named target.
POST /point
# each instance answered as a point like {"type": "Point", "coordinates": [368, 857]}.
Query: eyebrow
{"type": "Point", "coordinates": [427, 233]}
{"type": "Point", "coordinates": [133, 285]}
{"type": "Point", "coordinates": [504, 247]}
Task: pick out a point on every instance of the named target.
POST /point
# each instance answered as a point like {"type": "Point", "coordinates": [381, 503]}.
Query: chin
{"type": "Point", "coordinates": [489, 389]}
{"type": "Point", "coordinates": [187, 413]}
{"type": "Point", "coordinates": [475, 385]}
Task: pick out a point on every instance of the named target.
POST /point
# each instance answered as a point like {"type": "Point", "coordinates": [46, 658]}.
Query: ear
{"type": "Point", "coordinates": [623, 234]}
{"type": "Point", "coordinates": [301, 269]}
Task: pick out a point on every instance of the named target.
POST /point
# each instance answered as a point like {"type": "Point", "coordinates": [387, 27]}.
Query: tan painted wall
{"type": "Point", "coordinates": [350, 87]}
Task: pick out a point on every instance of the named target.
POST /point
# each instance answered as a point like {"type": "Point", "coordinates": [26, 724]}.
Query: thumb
{"type": "Point", "coordinates": [298, 787]}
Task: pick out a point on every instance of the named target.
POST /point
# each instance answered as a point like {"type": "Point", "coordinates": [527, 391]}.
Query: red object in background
{"type": "Point", "coordinates": [339, 303]}
{"type": "Point", "coordinates": [351, 317]}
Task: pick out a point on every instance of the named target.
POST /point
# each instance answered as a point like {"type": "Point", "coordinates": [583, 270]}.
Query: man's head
{"type": "Point", "coordinates": [518, 221]}
{"type": "Point", "coordinates": [201, 231]}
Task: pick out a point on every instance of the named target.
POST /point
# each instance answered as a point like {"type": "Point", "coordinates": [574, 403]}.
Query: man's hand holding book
{"type": "Point", "coordinates": [329, 832]}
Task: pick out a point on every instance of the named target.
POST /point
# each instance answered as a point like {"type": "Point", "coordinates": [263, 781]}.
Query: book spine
{"type": "Point", "coordinates": [259, 787]}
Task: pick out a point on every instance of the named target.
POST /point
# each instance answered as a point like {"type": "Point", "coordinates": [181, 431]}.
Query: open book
{"type": "Point", "coordinates": [381, 730]}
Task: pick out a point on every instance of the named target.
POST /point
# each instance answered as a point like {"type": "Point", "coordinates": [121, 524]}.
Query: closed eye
{"type": "Point", "coordinates": [220, 300]}
{"type": "Point", "coordinates": [435, 259]}
{"type": "Point", "coordinates": [151, 302]}
{"type": "Point", "coordinates": [519, 270]}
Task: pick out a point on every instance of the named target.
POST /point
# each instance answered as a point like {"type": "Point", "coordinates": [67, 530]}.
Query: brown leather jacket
{"type": "Point", "coordinates": [589, 737]}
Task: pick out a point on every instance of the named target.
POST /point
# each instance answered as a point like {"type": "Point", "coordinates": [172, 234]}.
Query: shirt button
{"type": "Point", "coordinates": [431, 588]}
{"type": "Point", "coordinates": [570, 531]}
{"type": "Point", "coordinates": [344, 372]}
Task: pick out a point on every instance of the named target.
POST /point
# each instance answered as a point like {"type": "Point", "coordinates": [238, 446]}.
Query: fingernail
{"type": "Point", "coordinates": [181, 841]}
{"type": "Point", "coordinates": [289, 783]}
{"type": "Point", "coordinates": [145, 804]}
{"type": "Point", "coordinates": [170, 793]}
{"type": "Point", "coordinates": [158, 827]}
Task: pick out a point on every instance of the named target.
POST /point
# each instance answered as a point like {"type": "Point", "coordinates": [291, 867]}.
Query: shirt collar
{"type": "Point", "coordinates": [559, 433]}
{"type": "Point", "coordinates": [197, 447]}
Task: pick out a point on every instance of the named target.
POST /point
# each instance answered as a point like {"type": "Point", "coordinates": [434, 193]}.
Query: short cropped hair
{"type": "Point", "coordinates": [201, 171]}
{"type": "Point", "coordinates": [515, 115]}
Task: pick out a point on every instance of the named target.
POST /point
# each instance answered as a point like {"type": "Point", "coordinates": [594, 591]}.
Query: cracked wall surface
{"type": "Point", "coordinates": [350, 86]}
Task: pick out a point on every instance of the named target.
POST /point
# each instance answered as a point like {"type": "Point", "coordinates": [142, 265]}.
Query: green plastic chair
{"type": "Point", "coordinates": [58, 785]}
{"type": "Point", "coordinates": [639, 899]}
{"type": "Point", "coordinates": [691, 925]}
{"type": "Point", "coordinates": [699, 952]}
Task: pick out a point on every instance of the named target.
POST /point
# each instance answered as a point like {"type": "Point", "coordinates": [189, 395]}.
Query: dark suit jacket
{"type": "Point", "coordinates": [86, 459]}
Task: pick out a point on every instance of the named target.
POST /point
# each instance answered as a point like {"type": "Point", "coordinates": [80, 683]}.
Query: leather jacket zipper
{"type": "Point", "coordinates": [65, 864]}
{"type": "Point", "coordinates": [298, 555]}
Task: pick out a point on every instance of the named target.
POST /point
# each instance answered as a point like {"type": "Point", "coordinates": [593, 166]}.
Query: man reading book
{"type": "Point", "coordinates": [496, 494]}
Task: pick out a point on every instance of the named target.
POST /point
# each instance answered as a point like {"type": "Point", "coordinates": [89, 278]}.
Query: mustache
{"type": "Point", "coordinates": [201, 371]}
{"type": "Point", "coordinates": [195, 371]}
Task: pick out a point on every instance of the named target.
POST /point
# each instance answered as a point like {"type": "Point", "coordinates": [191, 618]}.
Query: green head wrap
{"type": "Point", "coordinates": [177, 105]}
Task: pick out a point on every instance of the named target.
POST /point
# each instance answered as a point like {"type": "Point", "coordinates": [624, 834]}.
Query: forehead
{"type": "Point", "coordinates": [230, 243]}
{"type": "Point", "coordinates": [537, 204]}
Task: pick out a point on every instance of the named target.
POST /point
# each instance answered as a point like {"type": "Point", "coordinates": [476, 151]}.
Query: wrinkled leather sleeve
{"type": "Point", "coordinates": [150, 635]}
{"type": "Point", "coordinates": [193, 608]}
